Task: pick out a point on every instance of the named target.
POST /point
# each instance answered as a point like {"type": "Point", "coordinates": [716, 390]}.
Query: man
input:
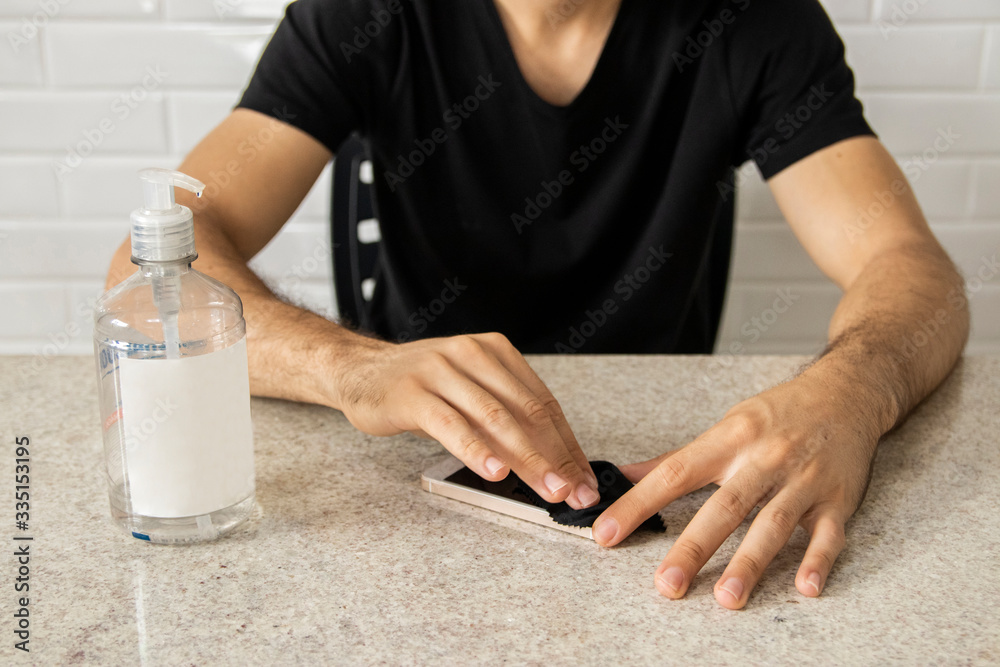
{"type": "Point", "coordinates": [549, 159]}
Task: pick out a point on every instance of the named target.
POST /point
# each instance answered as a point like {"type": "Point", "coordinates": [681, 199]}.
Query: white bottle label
{"type": "Point", "coordinates": [188, 434]}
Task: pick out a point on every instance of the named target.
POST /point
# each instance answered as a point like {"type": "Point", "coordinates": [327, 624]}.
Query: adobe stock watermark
{"type": "Point", "coordinates": [750, 332]}
{"type": "Point", "coordinates": [580, 159]}
{"type": "Point", "coordinates": [914, 168]}
{"type": "Point", "coordinates": [558, 15]}
{"type": "Point", "coordinates": [625, 289]}
{"type": "Point", "coordinates": [139, 433]}
{"type": "Point", "coordinates": [453, 118]}
{"type": "Point", "coordinates": [786, 128]}
{"type": "Point", "coordinates": [793, 459]}
{"type": "Point", "coordinates": [900, 15]}
{"type": "Point", "coordinates": [958, 299]}
{"type": "Point", "coordinates": [308, 266]}
{"type": "Point", "coordinates": [29, 26]}
{"type": "Point", "coordinates": [363, 35]}
{"type": "Point", "coordinates": [248, 149]}
{"type": "Point", "coordinates": [696, 45]}
{"type": "Point", "coordinates": [57, 342]}
{"type": "Point", "coordinates": [122, 107]}
{"type": "Point", "coordinates": [419, 320]}
{"type": "Point", "coordinates": [224, 8]}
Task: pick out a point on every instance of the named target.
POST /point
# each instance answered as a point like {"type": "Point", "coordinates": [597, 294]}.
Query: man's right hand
{"type": "Point", "coordinates": [477, 396]}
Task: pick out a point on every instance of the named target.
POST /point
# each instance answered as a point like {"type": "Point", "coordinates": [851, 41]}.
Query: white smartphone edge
{"type": "Point", "coordinates": [434, 481]}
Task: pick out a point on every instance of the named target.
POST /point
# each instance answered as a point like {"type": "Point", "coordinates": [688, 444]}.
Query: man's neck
{"type": "Point", "coordinates": [557, 43]}
{"type": "Point", "coordinates": [537, 19]}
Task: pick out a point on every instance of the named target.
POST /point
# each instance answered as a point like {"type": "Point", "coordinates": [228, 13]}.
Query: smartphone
{"type": "Point", "coordinates": [451, 479]}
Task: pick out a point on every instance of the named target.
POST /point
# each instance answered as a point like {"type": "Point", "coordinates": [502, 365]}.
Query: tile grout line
{"type": "Point", "coordinates": [984, 61]}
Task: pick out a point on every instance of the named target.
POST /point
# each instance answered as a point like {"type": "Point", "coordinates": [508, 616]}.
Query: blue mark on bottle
{"type": "Point", "coordinates": [140, 536]}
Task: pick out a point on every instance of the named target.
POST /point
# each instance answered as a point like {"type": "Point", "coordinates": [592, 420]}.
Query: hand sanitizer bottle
{"type": "Point", "coordinates": [173, 383]}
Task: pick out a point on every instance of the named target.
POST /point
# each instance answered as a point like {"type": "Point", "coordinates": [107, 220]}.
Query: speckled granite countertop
{"type": "Point", "coordinates": [348, 561]}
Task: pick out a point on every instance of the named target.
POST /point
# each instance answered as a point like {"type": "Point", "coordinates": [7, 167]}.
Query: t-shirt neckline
{"type": "Point", "coordinates": [604, 61]}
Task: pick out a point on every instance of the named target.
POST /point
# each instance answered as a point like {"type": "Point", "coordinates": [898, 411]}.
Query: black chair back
{"type": "Point", "coordinates": [354, 232]}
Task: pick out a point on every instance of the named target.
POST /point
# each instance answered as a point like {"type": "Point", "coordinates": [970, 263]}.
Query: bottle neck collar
{"type": "Point", "coordinates": [154, 269]}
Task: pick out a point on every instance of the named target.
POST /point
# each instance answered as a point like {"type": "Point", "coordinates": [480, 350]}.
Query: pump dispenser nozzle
{"type": "Point", "coordinates": [163, 240]}
{"type": "Point", "coordinates": [162, 230]}
{"type": "Point", "coordinates": [158, 187]}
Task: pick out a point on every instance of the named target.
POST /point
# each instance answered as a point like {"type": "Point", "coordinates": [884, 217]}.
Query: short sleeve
{"type": "Point", "coordinates": [793, 91]}
{"type": "Point", "coordinates": [321, 72]}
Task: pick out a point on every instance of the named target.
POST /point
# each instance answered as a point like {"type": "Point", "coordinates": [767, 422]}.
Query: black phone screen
{"type": "Point", "coordinates": [505, 488]}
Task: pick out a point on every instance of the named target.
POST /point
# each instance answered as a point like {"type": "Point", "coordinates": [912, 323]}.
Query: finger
{"type": "Point", "coordinates": [721, 514]}
{"type": "Point", "coordinates": [446, 425]}
{"type": "Point", "coordinates": [688, 469]}
{"type": "Point", "coordinates": [825, 544]}
{"type": "Point", "coordinates": [768, 533]}
{"type": "Point", "coordinates": [536, 422]}
{"type": "Point", "coordinates": [515, 362]}
{"type": "Point", "coordinates": [539, 467]}
{"type": "Point", "coordinates": [636, 471]}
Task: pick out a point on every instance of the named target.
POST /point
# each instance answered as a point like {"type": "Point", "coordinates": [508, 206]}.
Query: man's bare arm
{"type": "Point", "coordinates": [234, 222]}
{"type": "Point", "coordinates": [803, 450]}
{"type": "Point", "coordinates": [475, 394]}
{"type": "Point", "coordinates": [898, 281]}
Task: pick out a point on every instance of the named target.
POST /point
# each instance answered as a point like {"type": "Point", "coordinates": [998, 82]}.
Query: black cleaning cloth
{"type": "Point", "coordinates": [612, 484]}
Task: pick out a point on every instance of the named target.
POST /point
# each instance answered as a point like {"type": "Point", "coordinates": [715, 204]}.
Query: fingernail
{"type": "Point", "coordinates": [606, 530]}
{"type": "Point", "coordinates": [673, 578]}
{"type": "Point", "coordinates": [586, 495]}
{"type": "Point", "coordinates": [493, 464]}
{"type": "Point", "coordinates": [734, 587]}
{"type": "Point", "coordinates": [813, 580]}
{"type": "Point", "coordinates": [553, 482]}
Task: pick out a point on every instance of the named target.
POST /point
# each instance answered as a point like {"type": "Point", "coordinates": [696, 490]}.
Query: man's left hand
{"type": "Point", "coordinates": [802, 450]}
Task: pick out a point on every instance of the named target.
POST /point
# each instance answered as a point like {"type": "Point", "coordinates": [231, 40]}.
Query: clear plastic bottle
{"type": "Point", "coordinates": [173, 383]}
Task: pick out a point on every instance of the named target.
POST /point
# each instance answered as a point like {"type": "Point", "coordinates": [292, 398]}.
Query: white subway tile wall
{"type": "Point", "coordinates": [92, 90]}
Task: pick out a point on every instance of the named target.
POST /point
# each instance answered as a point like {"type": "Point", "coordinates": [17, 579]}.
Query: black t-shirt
{"type": "Point", "coordinates": [601, 226]}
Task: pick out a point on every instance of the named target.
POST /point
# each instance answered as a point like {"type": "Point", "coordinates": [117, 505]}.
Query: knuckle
{"type": "Point", "coordinates": [782, 448]}
{"type": "Point", "coordinates": [746, 426]}
{"type": "Point", "coordinates": [408, 385]}
{"type": "Point", "coordinates": [752, 563]}
{"type": "Point", "coordinates": [432, 363]}
{"type": "Point", "coordinates": [469, 444]}
{"type": "Point", "coordinates": [690, 552]}
{"type": "Point", "coordinates": [495, 339]}
{"type": "Point", "coordinates": [464, 346]}
{"type": "Point", "coordinates": [780, 457]}
{"type": "Point", "coordinates": [825, 560]}
{"type": "Point", "coordinates": [730, 506]}
{"type": "Point", "coordinates": [633, 510]}
{"type": "Point", "coordinates": [446, 420]}
{"type": "Point", "coordinates": [533, 460]}
{"type": "Point", "coordinates": [568, 468]}
{"type": "Point", "coordinates": [671, 472]}
{"type": "Point", "coordinates": [494, 416]}
{"type": "Point", "coordinates": [552, 406]}
{"type": "Point", "coordinates": [782, 521]}
{"type": "Point", "coordinates": [536, 415]}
